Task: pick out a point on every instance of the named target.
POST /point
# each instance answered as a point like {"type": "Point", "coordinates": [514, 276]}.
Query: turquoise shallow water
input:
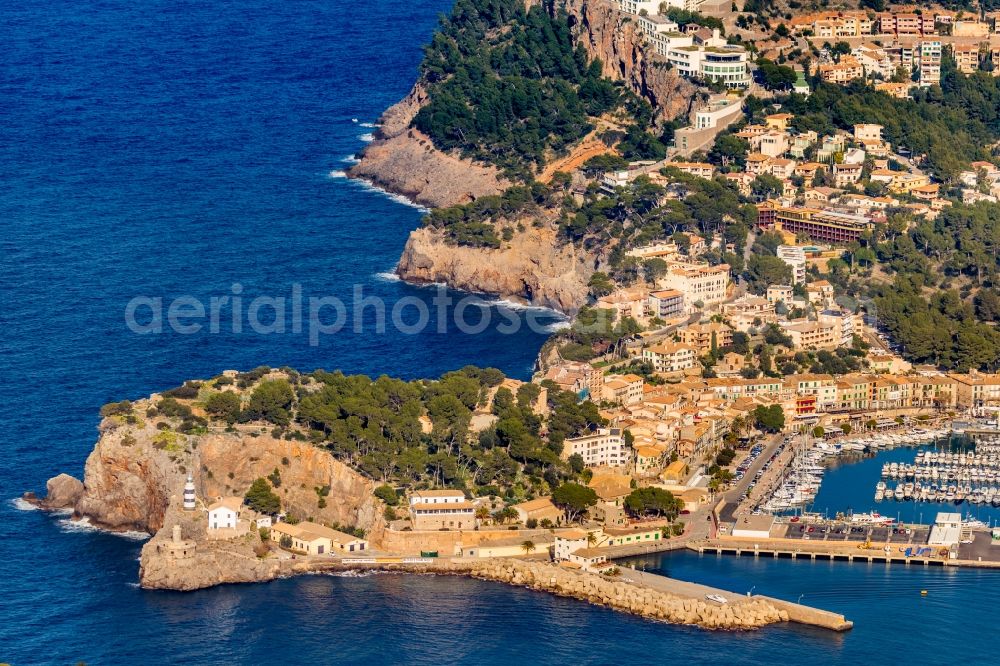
{"type": "Point", "coordinates": [153, 148]}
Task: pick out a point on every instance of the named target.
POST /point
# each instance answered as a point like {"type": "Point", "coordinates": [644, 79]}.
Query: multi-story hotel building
{"type": "Point", "coordinates": [818, 224]}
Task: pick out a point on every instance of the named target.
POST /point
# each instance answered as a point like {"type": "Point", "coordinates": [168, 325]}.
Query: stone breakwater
{"type": "Point", "coordinates": [617, 594]}
{"type": "Point", "coordinates": [630, 598]}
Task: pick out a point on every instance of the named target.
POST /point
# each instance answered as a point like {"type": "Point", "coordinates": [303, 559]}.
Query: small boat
{"type": "Point", "coordinates": [717, 598]}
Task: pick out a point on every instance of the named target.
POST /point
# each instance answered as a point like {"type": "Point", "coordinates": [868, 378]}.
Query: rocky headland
{"type": "Point", "coordinates": [404, 161]}
{"type": "Point", "coordinates": [134, 480]}
{"type": "Point", "coordinates": [534, 266]}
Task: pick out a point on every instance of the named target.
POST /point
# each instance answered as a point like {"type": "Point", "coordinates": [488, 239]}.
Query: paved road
{"type": "Point", "coordinates": [733, 495]}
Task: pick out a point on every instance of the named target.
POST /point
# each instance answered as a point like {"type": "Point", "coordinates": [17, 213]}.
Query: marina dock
{"type": "Point", "coordinates": [850, 552]}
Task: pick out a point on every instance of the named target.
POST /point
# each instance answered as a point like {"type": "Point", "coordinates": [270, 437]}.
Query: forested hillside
{"type": "Point", "coordinates": [508, 87]}
{"type": "Point", "coordinates": [941, 301]}
{"type": "Point", "coordinates": [405, 433]}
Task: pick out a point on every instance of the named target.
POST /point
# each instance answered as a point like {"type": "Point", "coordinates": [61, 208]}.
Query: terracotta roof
{"type": "Point", "coordinates": [232, 503]}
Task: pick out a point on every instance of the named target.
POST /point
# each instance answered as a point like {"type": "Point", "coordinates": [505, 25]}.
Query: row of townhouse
{"type": "Point", "coordinates": [844, 24]}
{"type": "Point", "coordinates": [818, 393]}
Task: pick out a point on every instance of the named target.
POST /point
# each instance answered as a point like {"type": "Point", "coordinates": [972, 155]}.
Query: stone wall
{"type": "Point", "coordinates": [447, 542]}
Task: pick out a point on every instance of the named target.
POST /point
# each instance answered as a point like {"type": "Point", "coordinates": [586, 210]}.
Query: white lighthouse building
{"type": "Point", "coordinates": [189, 503]}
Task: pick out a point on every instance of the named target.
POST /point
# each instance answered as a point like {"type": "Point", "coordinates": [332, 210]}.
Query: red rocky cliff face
{"type": "Point", "coordinates": [611, 37]}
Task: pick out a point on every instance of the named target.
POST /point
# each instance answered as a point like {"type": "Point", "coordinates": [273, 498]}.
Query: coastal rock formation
{"type": "Point", "coordinates": [63, 492]}
{"type": "Point", "coordinates": [404, 161]}
{"type": "Point", "coordinates": [127, 479]}
{"type": "Point", "coordinates": [134, 479]}
{"type": "Point", "coordinates": [630, 597]}
{"type": "Point", "coordinates": [533, 267]}
{"type": "Point", "coordinates": [409, 164]}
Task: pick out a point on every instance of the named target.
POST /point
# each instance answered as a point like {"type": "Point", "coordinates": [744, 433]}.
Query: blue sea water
{"type": "Point", "coordinates": [849, 486]}
{"type": "Point", "coordinates": [174, 149]}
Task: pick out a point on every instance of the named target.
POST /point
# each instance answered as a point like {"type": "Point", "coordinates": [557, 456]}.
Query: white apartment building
{"type": "Point", "coordinates": [606, 447]}
{"type": "Point", "coordinates": [726, 63]}
{"type": "Point", "coordinates": [666, 303]}
{"type": "Point", "coordinates": [698, 282]}
{"type": "Point", "coordinates": [670, 357]}
{"type": "Point", "coordinates": [663, 33]}
{"type": "Point", "coordinates": [635, 6]}
{"type": "Point", "coordinates": [928, 55]}
{"type": "Point", "coordinates": [795, 257]}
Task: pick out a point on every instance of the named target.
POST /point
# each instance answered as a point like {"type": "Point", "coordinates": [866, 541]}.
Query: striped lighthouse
{"type": "Point", "coordinates": [189, 504]}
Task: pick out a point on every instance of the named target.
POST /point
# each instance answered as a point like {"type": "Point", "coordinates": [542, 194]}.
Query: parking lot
{"type": "Point", "coordinates": [816, 531]}
{"type": "Point", "coordinates": [756, 471]}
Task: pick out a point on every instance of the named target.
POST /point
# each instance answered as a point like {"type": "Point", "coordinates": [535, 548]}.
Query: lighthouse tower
{"type": "Point", "coordinates": [189, 504]}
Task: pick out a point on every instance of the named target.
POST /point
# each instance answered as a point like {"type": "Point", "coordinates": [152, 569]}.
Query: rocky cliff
{"type": "Point", "coordinates": [404, 161]}
{"type": "Point", "coordinates": [611, 37]}
{"type": "Point", "coordinates": [134, 480]}
{"type": "Point", "coordinates": [533, 267]}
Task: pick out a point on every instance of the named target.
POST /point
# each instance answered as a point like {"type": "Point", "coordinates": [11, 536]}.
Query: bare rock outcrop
{"type": "Point", "coordinates": [62, 492]}
{"type": "Point", "coordinates": [533, 267]}
{"type": "Point", "coordinates": [409, 164]}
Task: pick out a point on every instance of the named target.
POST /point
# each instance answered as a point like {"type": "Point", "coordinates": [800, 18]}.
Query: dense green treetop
{"type": "Point", "coordinates": [508, 87]}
